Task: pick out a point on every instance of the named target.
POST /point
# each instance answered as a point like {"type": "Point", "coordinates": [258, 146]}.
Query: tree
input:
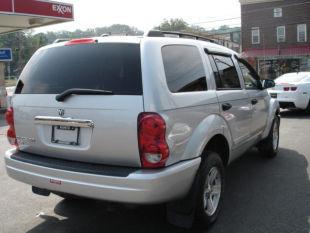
{"type": "Point", "coordinates": [179, 25]}
{"type": "Point", "coordinates": [173, 25]}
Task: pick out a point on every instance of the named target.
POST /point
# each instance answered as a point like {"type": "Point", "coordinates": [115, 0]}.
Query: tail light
{"type": "Point", "coordinates": [293, 88]}
{"type": "Point", "coordinates": [81, 41]}
{"type": "Point", "coordinates": [154, 150]}
{"type": "Point", "coordinates": [286, 88]}
{"type": "Point", "coordinates": [11, 135]}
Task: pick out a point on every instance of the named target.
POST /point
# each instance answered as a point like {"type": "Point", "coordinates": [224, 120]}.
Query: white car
{"type": "Point", "coordinates": [10, 90]}
{"type": "Point", "coordinates": [292, 90]}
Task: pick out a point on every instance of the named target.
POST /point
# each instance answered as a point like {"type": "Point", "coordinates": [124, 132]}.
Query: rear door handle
{"type": "Point", "coordinates": [254, 101]}
{"type": "Point", "coordinates": [226, 106]}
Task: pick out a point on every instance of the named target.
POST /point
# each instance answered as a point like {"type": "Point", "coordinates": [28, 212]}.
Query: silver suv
{"type": "Point", "coordinates": [141, 120]}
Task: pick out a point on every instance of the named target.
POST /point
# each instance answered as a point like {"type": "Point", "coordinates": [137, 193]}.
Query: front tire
{"type": "Point", "coordinates": [210, 190]}
{"type": "Point", "coordinates": [269, 147]}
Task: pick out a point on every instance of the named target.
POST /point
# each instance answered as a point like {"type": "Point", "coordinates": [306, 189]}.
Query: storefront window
{"type": "Point", "coordinates": [271, 69]}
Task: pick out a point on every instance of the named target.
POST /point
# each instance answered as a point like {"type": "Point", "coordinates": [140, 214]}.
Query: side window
{"type": "Point", "coordinates": [226, 76]}
{"type": "Point", "coordinates": [251, 79]}
{"type": "Point", "coordinates": [184, 68]}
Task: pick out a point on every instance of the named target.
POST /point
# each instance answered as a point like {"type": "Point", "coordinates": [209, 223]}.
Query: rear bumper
{"type": "Point", "coordinates": [299, 103]}
{"type": "Point", "coordinates": [292, 100]}
{"type": "Point", "coordinates": [139, 187]}
{"type": "Point", "coordinates": [287, 104]}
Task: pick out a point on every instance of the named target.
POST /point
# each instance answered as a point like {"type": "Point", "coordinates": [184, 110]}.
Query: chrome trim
{"type": "Point", "coordinates": [48, 120]}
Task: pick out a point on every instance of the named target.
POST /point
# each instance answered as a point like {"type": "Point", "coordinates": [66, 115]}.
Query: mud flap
{"type": "Point", "coordinates": [181, 213]}
{"type": "Point", "coordinates": [41, 192]}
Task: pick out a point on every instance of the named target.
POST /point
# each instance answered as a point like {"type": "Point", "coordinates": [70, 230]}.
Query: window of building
{"type": "Point", "coordinates": [184, 68]}
{"type": "Point", "coordinates": [277, 12]}
{"type": "Point", "coordinates": [255, 35]}
{"type": "Point", "coordinates": [281, 34]}
{"type": "Point", "coordinates": [226, 76]}
{"type": "Point", "coordinates": [302, 33]}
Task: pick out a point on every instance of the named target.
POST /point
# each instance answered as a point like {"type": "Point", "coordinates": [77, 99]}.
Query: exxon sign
{"type": "Point", "coordinates": [62, 9]}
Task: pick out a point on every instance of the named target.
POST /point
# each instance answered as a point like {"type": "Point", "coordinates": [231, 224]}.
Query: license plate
{"type": "Point", "coordinates": [66, 135]}
{"type": "Point", "coordinates": [274, 95]}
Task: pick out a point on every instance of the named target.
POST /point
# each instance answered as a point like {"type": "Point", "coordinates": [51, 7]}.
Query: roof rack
{"type": "Point", "coordinates": [157, 33]}
{"type": "Point", "coordinates": [60, 40]}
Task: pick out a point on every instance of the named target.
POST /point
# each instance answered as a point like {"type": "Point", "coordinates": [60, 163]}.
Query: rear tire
{"type": "Point", "coordinates": [308, 107]}
{"type": "Point", "coordinates": [211, 189]}
{"type": "Point", "coordinates": [269, 147]}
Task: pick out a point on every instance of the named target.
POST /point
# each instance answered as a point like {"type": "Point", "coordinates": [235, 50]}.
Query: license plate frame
{"type": "Point", "coordinates": [274, 95]}
{"type": "Point", "coordinates": [56, 140]}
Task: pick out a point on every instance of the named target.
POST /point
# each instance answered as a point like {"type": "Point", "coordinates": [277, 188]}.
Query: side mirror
{"type": "Point", "coordinates": [268, 83]}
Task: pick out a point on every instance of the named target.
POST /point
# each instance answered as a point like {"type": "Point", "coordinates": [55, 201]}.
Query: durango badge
{"type": "Point", "coordinates": [61, 112]}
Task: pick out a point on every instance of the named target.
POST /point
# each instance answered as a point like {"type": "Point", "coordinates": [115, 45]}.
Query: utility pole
{"type": "Point", "coordinates": [2, 86]}
{"type": "Point", "coordinates": [5, 56]}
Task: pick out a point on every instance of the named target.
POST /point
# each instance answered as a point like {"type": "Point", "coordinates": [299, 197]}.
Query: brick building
{"type": "Point", "coordinates": [276, 35]}
{"type": "Point", "coordinates": [230, 38]}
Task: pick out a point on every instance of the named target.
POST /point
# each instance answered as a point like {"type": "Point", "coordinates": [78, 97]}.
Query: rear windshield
{"type": "Point", "coordinates": [294, 77]}
{"type": "Point", "coordinates": [114, 67]}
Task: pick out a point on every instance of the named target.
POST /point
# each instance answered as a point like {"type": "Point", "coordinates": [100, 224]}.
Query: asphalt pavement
{"type": "Point", "coordinates": [262, 195]}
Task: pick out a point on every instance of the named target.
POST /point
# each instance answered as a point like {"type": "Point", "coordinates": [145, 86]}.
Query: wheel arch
{"type": "Point", "coordinates": [212, 133]}
{"type": "Point", "coordinates": [219, 144]}
{"type": "Point", "coordinates": [274, 110]}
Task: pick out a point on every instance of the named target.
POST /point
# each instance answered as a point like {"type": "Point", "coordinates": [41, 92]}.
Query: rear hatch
{"type": "Point", "coordinates": [97, 126]}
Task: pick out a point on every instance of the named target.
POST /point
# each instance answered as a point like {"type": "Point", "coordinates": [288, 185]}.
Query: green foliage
{"type": "Point", "coordinates": [115, 29]}
{"type": "Point", "coordinates": [179, 25]}
{"type": "Point", "coordinates": [173, 25]}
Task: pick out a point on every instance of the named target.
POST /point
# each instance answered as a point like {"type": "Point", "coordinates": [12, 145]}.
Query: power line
{"type": "Point", "coordinates": [250, 29]}
{"type": "Point", "coordinates": [250, 11]}
{"type": "Point", "coordinates": [228, 30]}
{"type": "Point", "coordinates": [218, 20]}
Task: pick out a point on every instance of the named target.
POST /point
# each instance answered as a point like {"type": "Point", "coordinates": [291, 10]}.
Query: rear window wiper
{"type": "Point", "coordinates": [80, 91]}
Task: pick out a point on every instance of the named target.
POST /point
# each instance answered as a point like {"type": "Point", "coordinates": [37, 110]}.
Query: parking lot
{"type": "Point", "coordinates": [270, 196]}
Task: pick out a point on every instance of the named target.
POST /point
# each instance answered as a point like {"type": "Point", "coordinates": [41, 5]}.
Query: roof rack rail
{"type": "Point", "coordinates": [158, 33]}
{"type": "Point", "coordinates": [105, 35]}
{"type": "Point", "coordinates": [60, 40]}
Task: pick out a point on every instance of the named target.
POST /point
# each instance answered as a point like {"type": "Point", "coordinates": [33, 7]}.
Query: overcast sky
{"type": "Point", "coordinates": [145, 14]}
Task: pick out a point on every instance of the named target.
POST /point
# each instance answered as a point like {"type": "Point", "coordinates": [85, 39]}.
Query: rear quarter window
{"type": "Point", "coordinates": [114, 67]}
{"type": "Point", "coordinates": [184, 68]}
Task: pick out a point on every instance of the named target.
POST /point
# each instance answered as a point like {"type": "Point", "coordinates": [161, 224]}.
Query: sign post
{"type": "Point", "coordinates": [5, 56]}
